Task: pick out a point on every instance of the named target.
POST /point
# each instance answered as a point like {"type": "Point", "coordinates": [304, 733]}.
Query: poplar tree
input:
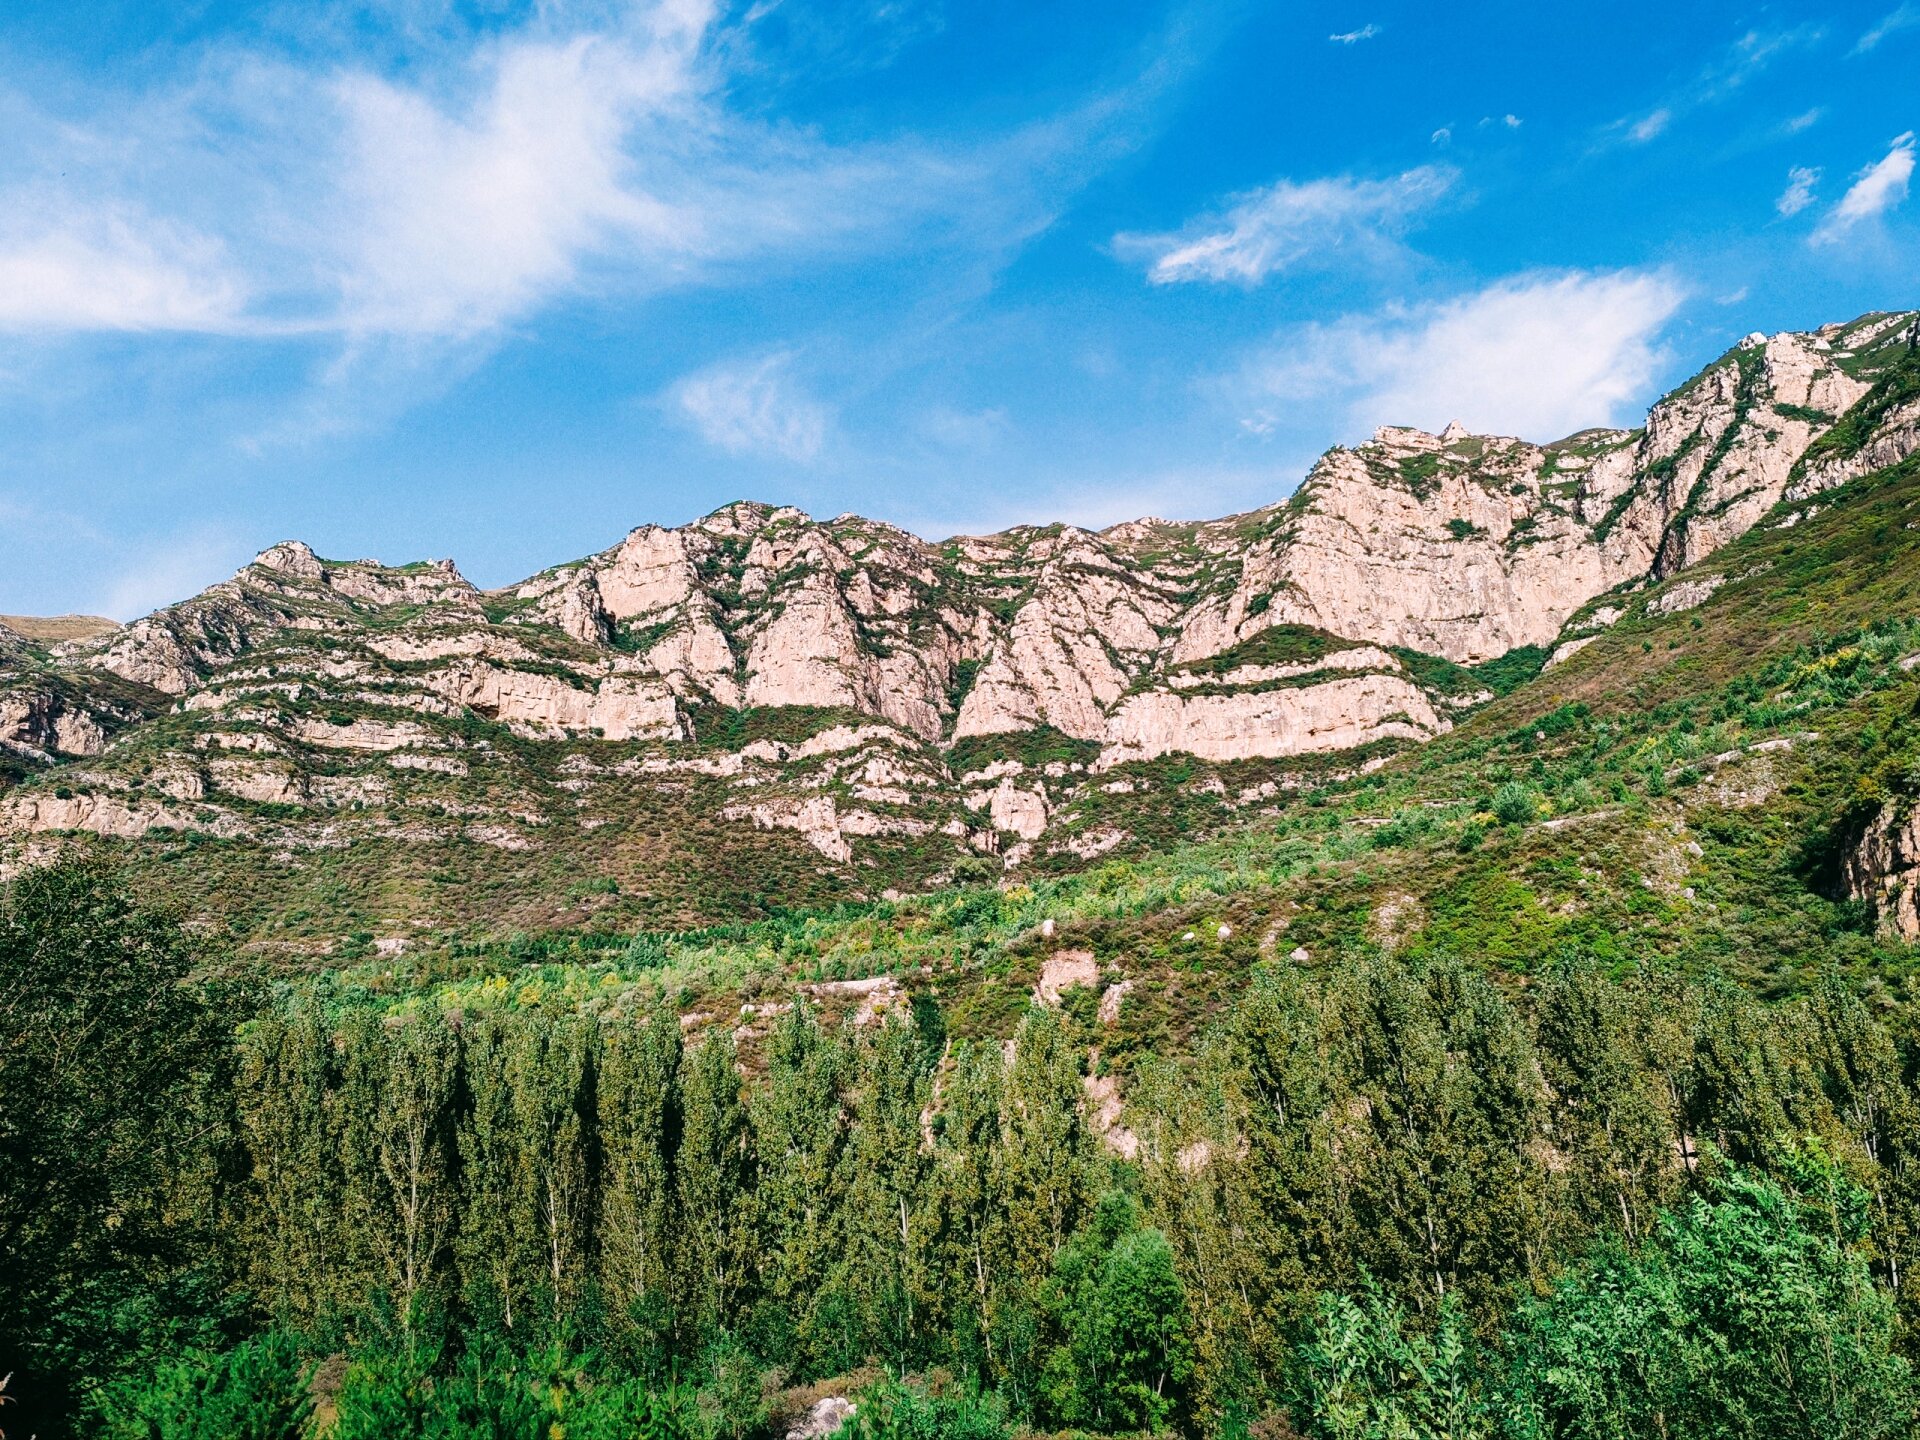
{"type": "Point", "coordinates": [968, 1140]}
{"type": "Point", "coordinates": [396, 1125]}
{"type": "Point", "coordinates": [714, 1183]}
{"type": "Point", "coordinates": [495, 1244]}
{"type": "Point", "coordinates": [1611, 1123]}
{"type": "Point", "coordinates": [1448, 1192]}
{"type": "Point", "coordinates": [891, 1164]}
{"type": "Point", "coordinates": [550, 1072]}
{"type": "Point", "coordinates": [800, 1136]}
{"type": "Point", "coordinates": [1857, 1066]}
{"type": "Point", "coordinates": [296, 1247]}
{"type": "Point", "coordinates": [639, 1115]}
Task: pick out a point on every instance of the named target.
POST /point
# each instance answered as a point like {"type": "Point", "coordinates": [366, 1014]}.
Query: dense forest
{"type": "Point", "coordinates": [1380, 1198]}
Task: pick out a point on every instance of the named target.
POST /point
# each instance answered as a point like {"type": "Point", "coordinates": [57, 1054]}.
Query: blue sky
{"type": "Point", "coordinates": [501, 280]}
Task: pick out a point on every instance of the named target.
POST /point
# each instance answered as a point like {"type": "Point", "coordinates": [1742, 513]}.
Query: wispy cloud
{"type": "Point", "coordinates": [1354, 37]}
{"type": "Point", "coordinates": [754, 407]}
{"type": "Point", "coordinates": [114, 271]}
{"type": "Point", "coordinates": [1720, 78]}
{"type": "Point", "coordinates": [1875, 190]}
{"type": "Point", "coordinates": [448, 201]}
{"type": "Point", "coordinates": [1904, 18]}
{"type": "Point", "coordinates": [1539, 355]}
{"type": "Point", "coordinates": [1805, 120]}
{"type": "Point", "coordinates": [1801, 181]}
{"type": "Point", "coordinates": [1289, 225]}
{"type": "Point", "coordinates": [1647, 129]}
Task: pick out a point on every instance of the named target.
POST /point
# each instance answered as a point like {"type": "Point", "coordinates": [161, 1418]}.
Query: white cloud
{"type": "Point", "coordinates": [1354, 37]}
{"type": "Point", "coordinates": [1289, 225]}
{"type": "Point", "coordinates": [754, 407]}
{"type": "Point", "coordinates": [1799, 192]}
{"type": "Point", "coordinates": [1539, 355]}
{"type": "Point", "coordinates": [1907, 16]}
{"type": "Point", "coordinates": [467, 219]}
{"type": "Point", "coordinates": [1644, 130]}
{"type": "Point", "coordinates": [1805, 120]}
{"type": "Point", "coordinates": [1442, 136]}
{"type": "Point", "coordinates": [1876, 190]}
{"type": "Point", "coordinates": [113, 272]}
{"type": "Point", "coordinates": [454, 199]}
{"type": "Point", "coordinates": [1720, 78]}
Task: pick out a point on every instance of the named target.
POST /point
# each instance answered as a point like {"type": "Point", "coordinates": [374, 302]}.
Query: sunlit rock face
{"type": "Point", "coordinates": [851, 687]}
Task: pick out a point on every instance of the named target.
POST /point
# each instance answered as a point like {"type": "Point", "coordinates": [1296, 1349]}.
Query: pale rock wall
{"type": "Point", "coordinates": [1339, 714]}
{"type": "Point", "coordinates": [1883, 869]}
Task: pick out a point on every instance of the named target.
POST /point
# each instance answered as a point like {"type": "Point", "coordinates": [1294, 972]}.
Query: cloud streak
{"type": "Point", "coordinates": [1540, 355]}
{"type": "Point", "coordinates": [448, 202]}
{"type": "Point", "coordinates": [1904, 18]}
{"type": "Point", "coordinates": [1290, 225]}
{"type": "Point", "coordinates": [115, 271]}
{"type": "Point", "coordinates": [1747, 57]}
{"type": "Point", "coordinates": [1798, 195]}
{"type": "Point", "coordinates": [1875, 190]}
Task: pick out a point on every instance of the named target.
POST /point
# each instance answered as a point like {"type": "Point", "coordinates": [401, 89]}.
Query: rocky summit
{"type": "Point", "coordinates": [839, 709]}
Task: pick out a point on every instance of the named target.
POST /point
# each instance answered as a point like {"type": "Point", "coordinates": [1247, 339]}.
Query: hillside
{"type": "Point", "coordinates": [839, 710]}
{"type": "Point", "coordinates": [1408, 1088]}
{"type": "Point", "coordinates": [1600, 1002]}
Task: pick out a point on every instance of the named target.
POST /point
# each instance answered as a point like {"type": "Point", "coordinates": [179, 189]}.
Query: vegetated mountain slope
{"type": "Point", "coordinates": [760, 709]}
{"type": "Point", "coordinates": [1711, 786]}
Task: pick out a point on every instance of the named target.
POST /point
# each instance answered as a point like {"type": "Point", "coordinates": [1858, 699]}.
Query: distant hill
{"type": "Point", "coordinates": [54, 629]}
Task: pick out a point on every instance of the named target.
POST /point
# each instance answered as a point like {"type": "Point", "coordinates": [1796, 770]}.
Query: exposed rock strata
{"type": "Point", "coordinates": [846, 685]}
{"type": "Point", "coordinates": [1883, 869]}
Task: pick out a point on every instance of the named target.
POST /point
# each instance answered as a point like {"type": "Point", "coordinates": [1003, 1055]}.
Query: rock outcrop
{"type": "Point", "coordinates": [853, 691]}
{"type": "Point", "coordinates": [1883, 869]}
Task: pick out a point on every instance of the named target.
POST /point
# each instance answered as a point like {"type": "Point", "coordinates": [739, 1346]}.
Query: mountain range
{"type": "Point", "coordinates": [762, 709]}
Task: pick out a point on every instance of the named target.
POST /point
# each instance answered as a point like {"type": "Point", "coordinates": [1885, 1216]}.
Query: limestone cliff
{"type": "Point", "coordinates": [849, 688]}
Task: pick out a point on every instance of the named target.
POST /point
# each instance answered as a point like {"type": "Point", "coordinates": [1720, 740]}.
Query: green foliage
{"type": "Point", "coordinates": [1364, 1372]}
{"type": "Point", "coordinates": [490, 1391]}
{"type": "Point", "coordinates": [905, 1410]}
{"type": "Point", "coordinates": [1275, 645]}
{"type": "Point", "coordinates": [106, 1053]}
{"type": "Point", "coordinates": [255, 1391]}
{"type": "Point", "coordinates": [1750, 1313]}
{"type": "Point", "coordinates": [1117, 1298]}
{"type": "Point", "coordinates": [1514, 804]}
{"type": "Point", "coordinates": [1502, 675]}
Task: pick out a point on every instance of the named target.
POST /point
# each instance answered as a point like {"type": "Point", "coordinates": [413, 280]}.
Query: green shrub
{"type": "Point", "coordinates": [1514, 804]}
{"type": "Point", "coordinates": [896, 1410]}
{"type": "Point", "coordinates": [1751, 1312]}
{"type": "Point", "coordinates": [255, 1391]}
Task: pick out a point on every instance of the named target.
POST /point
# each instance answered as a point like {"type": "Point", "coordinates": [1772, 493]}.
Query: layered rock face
{"type": "Point", "coordinates": [850, 688]}
{"type": "Point", "coordinates": [1883, 869]}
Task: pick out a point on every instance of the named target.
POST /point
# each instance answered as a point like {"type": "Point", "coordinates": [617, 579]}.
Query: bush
{"type": "Point", "coordinates": [1364, 1372]}
{"type": "Point", "coordinates": [1750, 1313]}
{"type": "Point", "coordinates": [1514, 804]}
{"type": "Point", "coordinates": [900, 1411]}
{"type": "Point", "coordinates": [255, 1391]}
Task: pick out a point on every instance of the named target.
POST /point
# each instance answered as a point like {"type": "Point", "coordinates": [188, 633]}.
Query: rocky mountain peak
{"type": "Point", "coordinates": [855, 685]}
{"type": "Point", "coordinates": [291, 557]}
